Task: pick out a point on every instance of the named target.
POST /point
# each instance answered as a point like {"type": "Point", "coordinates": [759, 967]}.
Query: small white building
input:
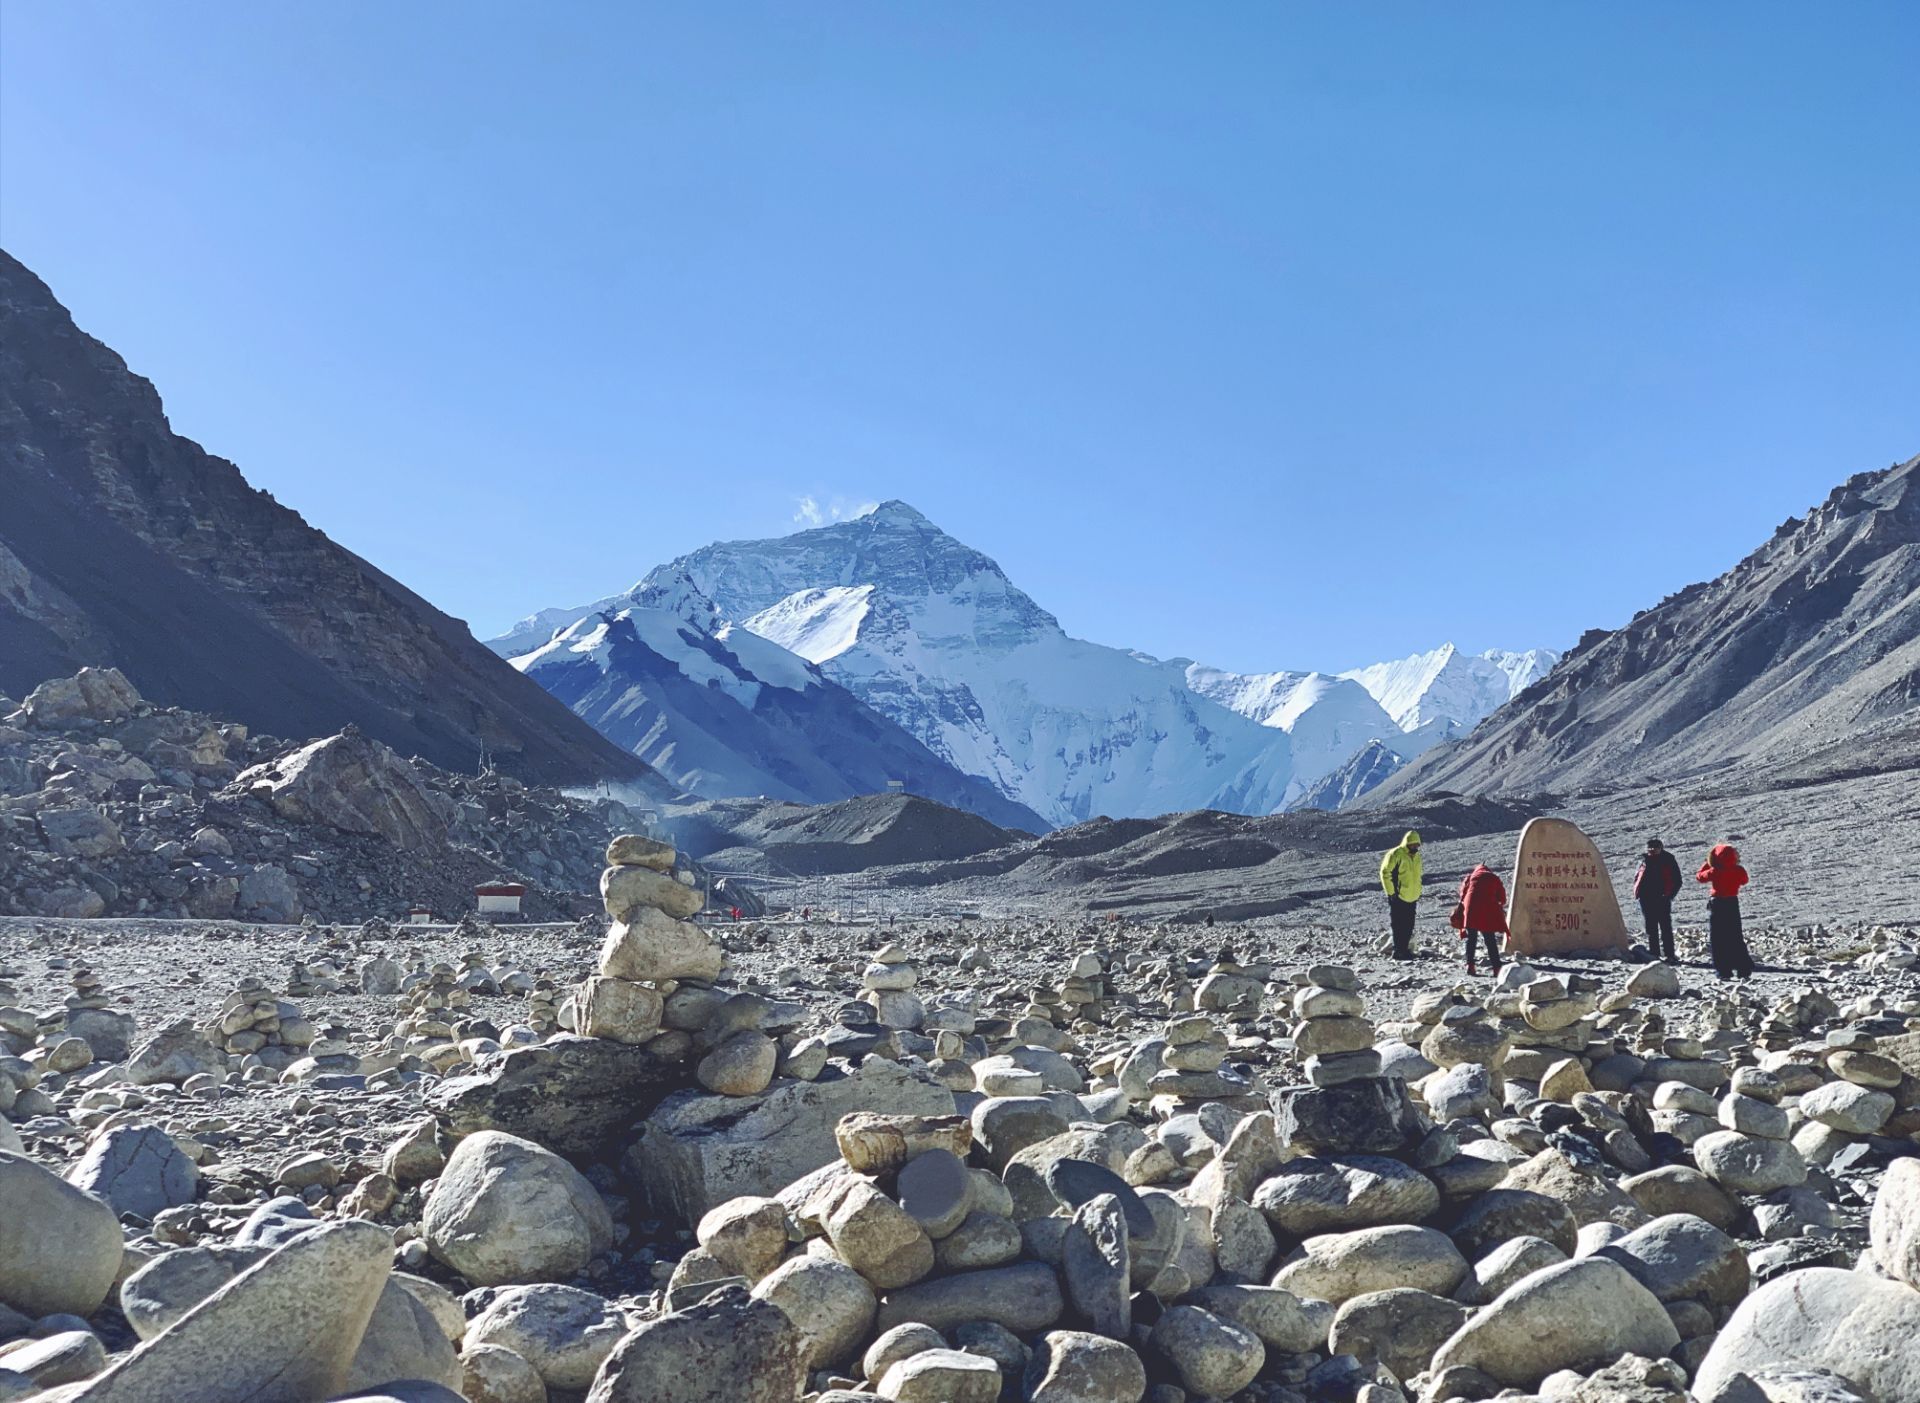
{"type": "Point", "coordinates": [419, 916]}
{"type": "Point", "coordinates": [499, 898]}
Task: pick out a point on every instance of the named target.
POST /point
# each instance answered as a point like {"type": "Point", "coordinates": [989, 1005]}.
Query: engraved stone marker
{"type": "Point", "coordinates": [1562, 898]}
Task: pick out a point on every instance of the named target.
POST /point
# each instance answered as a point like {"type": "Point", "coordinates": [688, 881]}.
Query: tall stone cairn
{"type": "Point", "coordinates": [650, 950]}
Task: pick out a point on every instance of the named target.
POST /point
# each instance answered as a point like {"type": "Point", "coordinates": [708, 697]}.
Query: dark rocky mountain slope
{"type": "Point", "coordinates": [1809, 649]}
{"type": "Point", "coordinates": [124, 544]}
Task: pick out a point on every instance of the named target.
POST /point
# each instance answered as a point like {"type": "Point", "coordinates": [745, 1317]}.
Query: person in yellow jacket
{"type": "Point", "coordinates": [1400, 879]}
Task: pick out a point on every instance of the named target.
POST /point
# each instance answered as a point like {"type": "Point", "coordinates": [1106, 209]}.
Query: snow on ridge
{"type": "Point", "coordinates": [1450, 687]}
{"type": "Point", "coordinates": [816, 624]}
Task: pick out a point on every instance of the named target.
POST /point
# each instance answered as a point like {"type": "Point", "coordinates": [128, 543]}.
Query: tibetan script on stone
{"type": "Point", "coordinates": [1562, 898]}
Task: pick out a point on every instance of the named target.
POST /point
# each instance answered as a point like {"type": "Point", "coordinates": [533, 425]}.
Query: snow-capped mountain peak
{"type": "Point", "coordinates": [679, 596]}
{"type": "Point", "coordinates": [932, 635]}
{"type": "Point", "coordinates": [1452, 688]}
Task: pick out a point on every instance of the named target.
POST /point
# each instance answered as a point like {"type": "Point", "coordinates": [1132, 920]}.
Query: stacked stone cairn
{"type": "Point", "coordinates": [543, 1006]}
{"type": "Point", "coordinates": [887, 983]}
{"type": "Point", "coordinates": [1333, 1037]}
{"type": "Point", "coordinates": [254, 1024]}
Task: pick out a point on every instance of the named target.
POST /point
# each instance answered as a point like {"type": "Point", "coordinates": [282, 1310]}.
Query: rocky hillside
{"type": "Point", "coordinates": [110, 806]}
{"type": "Point", "coordinates": [123, 544]}
{"type": "Point", "coordinates": [1809, 645]}
{"type": "Point", "coordinates": [855, 835]}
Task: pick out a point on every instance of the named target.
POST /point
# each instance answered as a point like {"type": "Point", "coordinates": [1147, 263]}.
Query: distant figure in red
{"type": "Point", "coordinates": [1483, 913]}
{"type": "Point", "coordinates": [734, 911]}
{"type": "Point", "coordinates": [1725, 936]}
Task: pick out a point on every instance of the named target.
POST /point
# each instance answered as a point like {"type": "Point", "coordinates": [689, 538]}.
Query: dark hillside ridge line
{"type": "Point", "coordinates": [125, 544]}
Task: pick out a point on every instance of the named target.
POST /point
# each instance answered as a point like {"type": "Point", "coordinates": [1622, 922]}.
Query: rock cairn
{"type": "Point", "coordinates": [650, 950]}
{"type": "Point", "coordinates": [888, 982]}
{"type": "Point", "coordinates": [1333, 1037]}
{"type": "Point", "coordinates": [254, 1023]}
{"type": "Point", "coordinates": [543, 1006]}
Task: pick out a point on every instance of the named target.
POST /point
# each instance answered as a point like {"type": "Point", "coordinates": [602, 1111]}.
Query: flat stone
{"type": "Point", "coordinates": [942, 1376]}
{"type": "Point", "coordinates": [1308, 1196]}
{"type": "Point", "coordinates": [1339, 1266]}
{"type": "Point", "coordinates": [1024, 1298]}
{"type": "Point", "coordinates": [697, 1151]}
{"type": "Point", "coordinates": [1400, 1327]}
{"type": "Point", "coordinates": [936, 1191]}
{"type": "Point", "coordinates": [1362, 1117]}
{"type": "Point", "coordinates": [575, 1095]}
{"type": "Point", "coordinates": [1214, 1358]}
{"type": "Point", "coordinates": [1682, 1258]}
{"type": "Point", "coordinates": [1096, 1267]}
{"type": "Point", "coordinates": [1580, 1315]}
{"type": "Point", "coordinates": [565, 1333]}
{"type": "Point", "coordinates": [1861, 1328]}
{"type": "Point", "coordinates": [1895, 1222]}
{"type": "Point", "coordinates": [284, 1331]}
{"type": "Point", "coordinates": [830, 1304]}
{"type": "Point", "coordinates": [628, 891]}
{"type": "Point", "coordinates": [1072, 1366]}
{"type": "Point", "coordinates": [1749, 1164]}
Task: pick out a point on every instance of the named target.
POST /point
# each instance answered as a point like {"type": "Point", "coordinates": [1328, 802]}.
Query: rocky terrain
{"type": "Point", "coordinates": [1824, 845]}
{"type": "Point", "coordinates": [110, 805]}
{"type": "Point", "coordinates": [123, 544]}
{"type": "Point", "coordinates": [644, 1158]}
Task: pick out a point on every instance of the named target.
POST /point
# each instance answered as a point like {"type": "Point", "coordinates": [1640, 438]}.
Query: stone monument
{"type": "Point", "coordinates": [1561, 897]}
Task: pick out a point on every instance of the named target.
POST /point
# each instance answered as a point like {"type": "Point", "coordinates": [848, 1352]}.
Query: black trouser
{"type": "Point", "coordinates": [1400, 916]}
{"type": "Point", "coordinates": [1493, 947]}
{"type": "Point", "coordinates": [1726, 938]}
{"type": "Point", "coordinates": [1659, 916]}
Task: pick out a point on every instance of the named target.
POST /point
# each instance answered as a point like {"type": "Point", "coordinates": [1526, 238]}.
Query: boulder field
{"type": "Point", "coordinates": [1100, 1165]}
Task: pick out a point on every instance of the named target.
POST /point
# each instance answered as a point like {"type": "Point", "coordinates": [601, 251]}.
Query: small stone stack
{"type": "Point", "coordinates": [431, 1002]}
{"type": "Point", "coordinates": [1228, 987]}
{"type": "Point", "coordinates": [1752, 1153]}
{"type": "Point", "coordinates": [88, 991]}
{"type": "Point", "coordinates": [253, 1023]}
{"type": "Point", "coordinates": [1332, 1036]}
{"type": "Point", "coordinates": [651, 950]}
{"type": "Point", "coordinates": [1192, 1067]}
{"type": "Point", "coordinates": [1084, 990]}
{"type": "Point", "coordinates": [475, 977]}
{"type": "Point", "coordinates": [888, 982]}
{"type": "Point", "coordinates": [543, 1007]}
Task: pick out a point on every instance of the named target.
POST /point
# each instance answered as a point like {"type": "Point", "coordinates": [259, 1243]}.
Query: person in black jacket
{"type": "Point", "coordinates": [1655, 886]}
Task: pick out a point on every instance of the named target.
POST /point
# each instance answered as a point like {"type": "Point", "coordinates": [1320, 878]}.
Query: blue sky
{"type": "Point", "coordinates": [1276, 335]}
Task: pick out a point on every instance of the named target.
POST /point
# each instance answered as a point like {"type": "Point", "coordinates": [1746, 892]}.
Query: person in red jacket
{"type": "Point", "coordinates": [1655, 886]}
{"type": "Point", "coordinates": [1725, 936]}
{"type": "Point", "coordinates": [1483, 907]}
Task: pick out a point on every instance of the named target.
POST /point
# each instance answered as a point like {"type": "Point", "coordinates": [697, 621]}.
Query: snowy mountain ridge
{"type": "Point", "coordinates": [930, 634]}
{"type": "Point", "coordinates": [724, 712]}
{"type": "Point", "coordinates": [1453, 688]}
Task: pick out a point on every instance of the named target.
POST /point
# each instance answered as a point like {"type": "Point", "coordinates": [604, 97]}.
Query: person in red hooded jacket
{"type": "Point", "coordinates": [1726, 937]}
{"type": "Point", "coordinates": [1483, 907]}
